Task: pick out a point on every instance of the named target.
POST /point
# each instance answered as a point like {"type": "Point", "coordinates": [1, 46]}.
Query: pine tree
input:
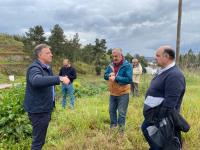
{"type": "Point", "coordinates": [57, 40]}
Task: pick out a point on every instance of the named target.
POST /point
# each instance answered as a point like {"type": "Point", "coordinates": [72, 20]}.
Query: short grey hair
{"type": "Point", "coordinates": [135, 60]}
{"type": "Point", "coordinates": [119, 50]}
{"type": "Point", "coordinates": [39, 48]}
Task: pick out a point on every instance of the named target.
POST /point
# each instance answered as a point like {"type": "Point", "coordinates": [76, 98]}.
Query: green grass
{"type": "Point", "coordinates": [87, 126]}
{"type": "Point", "coordinates": [9, 42]}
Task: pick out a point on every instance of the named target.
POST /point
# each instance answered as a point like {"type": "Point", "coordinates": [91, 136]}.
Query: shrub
{"type": "Point", "coordinates": [14, 123]}
{"type": "Point", "coordinates": [89, 89]}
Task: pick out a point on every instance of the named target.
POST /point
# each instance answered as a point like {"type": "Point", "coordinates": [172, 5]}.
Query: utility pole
{"type": "Point", "coordinates": [178, 36]}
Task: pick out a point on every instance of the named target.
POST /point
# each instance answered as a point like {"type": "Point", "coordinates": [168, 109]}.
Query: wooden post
{"type": "Point", "coordinates": [178, 36]}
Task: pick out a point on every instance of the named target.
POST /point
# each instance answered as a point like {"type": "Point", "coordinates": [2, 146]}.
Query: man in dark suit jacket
{"type": "Point", "coordinates": [38, 101]}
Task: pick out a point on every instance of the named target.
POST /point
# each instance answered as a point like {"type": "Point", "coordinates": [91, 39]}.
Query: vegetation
{"type": "Point", "coordinates": [18, 48]}
{"type": "Point", "coordinates": [13, 59]}
{"type": "Point", "coordinates": [14, 124]}
{"type": "Point", "coordinates": [190, 60]}
{"type": "Point", "coordinates": [87, 126]}
{"type": "Point", "coordinates": [95, 54]}
{"type": "Point", "coordinates": [9, 44]}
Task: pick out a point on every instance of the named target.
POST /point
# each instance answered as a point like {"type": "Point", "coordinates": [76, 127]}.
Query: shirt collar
{"type": "Point", "coordinates": [166, 68]}
{"type": "Point", "coordinates": [44, 65]}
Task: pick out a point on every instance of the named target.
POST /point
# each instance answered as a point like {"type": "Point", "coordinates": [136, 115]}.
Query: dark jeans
{"type": "Point", "coordinates": [40, 122]}
{"type": "Point", "coordinates": [120, 104]}
{"type": "Point", "coordinates": [151, 144]}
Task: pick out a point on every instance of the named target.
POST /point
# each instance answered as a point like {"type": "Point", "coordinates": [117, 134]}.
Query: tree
{"type": "Point", "coordinates": [191, 58]}
{"type": "Point", "coordinates": [72, 48]}
{"type": "Point", "coordinates": [57, 40]}
{"type": "Point", "coordinates": [76, 47]}
{"type": "Point", "coordinates": [109, 53]}
{"type": "Point", "coordinates": [33, 37]}
{"type": "Point", "coordinates": [99, 53]}
{"type": "Point", "coordinates": [88, 54]}
{"type": "Point", "coordinates": [129, 57]}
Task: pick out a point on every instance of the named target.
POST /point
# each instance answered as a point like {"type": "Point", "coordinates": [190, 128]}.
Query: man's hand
{"type": "Point", "coordinates": [65, 80]}
{"type": "Point", "coordinates": [112, 76]}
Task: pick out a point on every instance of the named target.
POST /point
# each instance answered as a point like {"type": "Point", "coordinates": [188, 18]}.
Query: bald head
{"type": "Point", "coordinates": [165, 55]}
{"type": "Point", "coordinates": [168, 51]}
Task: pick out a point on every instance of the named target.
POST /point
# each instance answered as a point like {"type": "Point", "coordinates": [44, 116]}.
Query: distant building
{"type": "Point", "coordinates": [152, 66]}
{"type": "Point", "coordinates": [151, 70]}
{"type": "Point", "coordinates": [150, 59]}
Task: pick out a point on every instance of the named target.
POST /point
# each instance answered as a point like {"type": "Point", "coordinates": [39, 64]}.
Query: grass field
{"type": "Point", "coordinates": [87, 126]}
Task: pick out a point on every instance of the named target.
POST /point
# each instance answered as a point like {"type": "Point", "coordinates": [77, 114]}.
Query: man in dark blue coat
{"type": "Point", "coordinates": [39, 94]}
{"type": "Point", "coordinates": [165, 93]}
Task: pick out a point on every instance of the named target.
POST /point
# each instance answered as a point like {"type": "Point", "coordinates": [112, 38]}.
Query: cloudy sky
{"type": "Point", "coordinates": [137, 26]}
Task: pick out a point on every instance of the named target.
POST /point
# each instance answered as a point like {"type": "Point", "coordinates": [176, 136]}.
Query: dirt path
{"type": "Point", "coordinates": [5, 85]}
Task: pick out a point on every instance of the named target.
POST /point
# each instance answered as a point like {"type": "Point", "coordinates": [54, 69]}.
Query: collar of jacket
{"type": "Point", "coordinates": [125, 63]}
{"type": "Point", "coordinates": [44, 66]}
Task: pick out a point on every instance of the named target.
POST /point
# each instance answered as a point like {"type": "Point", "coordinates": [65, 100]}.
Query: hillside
{"type": "Point", "coordinates": [13, 60]}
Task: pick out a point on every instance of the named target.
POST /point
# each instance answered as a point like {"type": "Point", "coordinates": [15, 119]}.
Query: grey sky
{"type": "Point", "coordinates": [137, 26]}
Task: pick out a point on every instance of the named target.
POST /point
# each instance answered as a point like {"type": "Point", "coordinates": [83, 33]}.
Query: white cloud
{"type": "Point", "coordinates": [134, 25]}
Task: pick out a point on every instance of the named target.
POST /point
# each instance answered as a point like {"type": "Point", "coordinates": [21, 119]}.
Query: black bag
{"type": "Point", "coordinates": [174, 144]}
{"type": "Point", "coordinates": [163, 135]}
{"type": "Point", "coordinates": [180, 123]}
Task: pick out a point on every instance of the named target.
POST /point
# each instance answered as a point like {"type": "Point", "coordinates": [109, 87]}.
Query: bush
{"type": "Point", "coordinates": [14, 123]}
{"type": "Point", "coordinates": [89, 89]}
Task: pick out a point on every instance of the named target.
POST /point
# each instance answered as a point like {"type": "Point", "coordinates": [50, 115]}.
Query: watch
{"type": "Point", "coordinates": [61, 79]}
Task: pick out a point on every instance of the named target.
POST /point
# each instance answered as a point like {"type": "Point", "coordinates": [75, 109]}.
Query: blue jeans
{"type": "Point", "coordinates": [120, 104]}
{"type": "Point", "coordinates": [144, 127]}
{"type": "Point", "coordinates": [40, 123]}
{"type": "Point", "coordinates": [68, 89]}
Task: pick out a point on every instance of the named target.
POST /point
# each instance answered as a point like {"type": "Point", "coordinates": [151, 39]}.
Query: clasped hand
{"type": "Point", "coordinates": [112, 76]}
{"type": "Point", "coordinates": [65, 80]}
